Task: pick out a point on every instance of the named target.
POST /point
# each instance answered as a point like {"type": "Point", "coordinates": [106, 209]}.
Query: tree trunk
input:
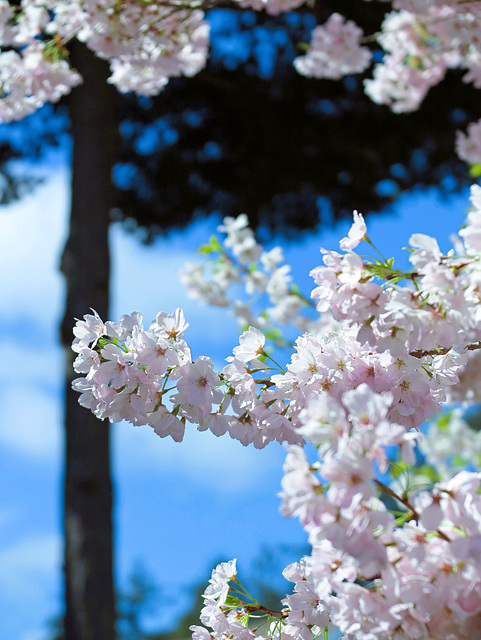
{"type": "Point", "coordinates": [88, 555]}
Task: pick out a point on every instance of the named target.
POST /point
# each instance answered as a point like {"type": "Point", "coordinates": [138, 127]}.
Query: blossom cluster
{"type": "Point", "coordinates": [380, 576]}
{"type": "Point", "coordinates": [29, 79]}
{"type": "Point", "coordinates": [367, 574]}
{"type": "Point", "coordinates": [272, 7]}
{"type": "Point", "coordinates": [421, 40]}
{"type": "Point", "coordinates": [334, 51]}
{"type": "Point", "coordinates": [145, 43]}
{"type": "Point", "coordinates": [238, 265]}
{"type": "Point", "coordinates": [450, 445]}
{"type": "Point", "coordinates": [130, 373]}
{"type": "Point", "coordinates": [390, 560]}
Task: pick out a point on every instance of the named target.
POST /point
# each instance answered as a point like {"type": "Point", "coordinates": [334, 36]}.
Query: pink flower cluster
{"type": "Point", "coordinates": [272, 7]}
{"type": "Point", "coordinates": [468, 145]}
{"type": "Point", "coordinates": [381, 577]}
{"type": "Point", "coordinates": [334, 50]}
{"type": "Point", "coordinates": [367, 574]}
{"type": "Point", "coordinates": [145, 43]}
{"type": "Point", "coordinates": [240, 260]}
{"type": "Point", "coordinates": [128, 371]}
{"type": "Point", "coordinates": [29, 79]}
{"type": "Point", "coordinates": [413, 343]}
{"type": "Point", "coordinates": [389, 560]}
{"type": "Point", "coordinates": [421, 39]}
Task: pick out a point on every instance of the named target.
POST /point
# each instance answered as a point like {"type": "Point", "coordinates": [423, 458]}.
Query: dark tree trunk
{"type": "Point", "coordinates": [88, 558]}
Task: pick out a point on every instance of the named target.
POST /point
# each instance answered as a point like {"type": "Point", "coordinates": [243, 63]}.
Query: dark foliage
{"type": "Point", "coordinates": [28, 141]}
{"type": "Point", "coordinates": [248, 134]}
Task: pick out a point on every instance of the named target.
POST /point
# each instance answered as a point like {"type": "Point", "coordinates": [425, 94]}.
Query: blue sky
{"type": "Point", "coordinates": [179, 507]}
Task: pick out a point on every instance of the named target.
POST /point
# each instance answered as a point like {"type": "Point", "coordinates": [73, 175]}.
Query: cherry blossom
{"type": "Point", "coordinates": [148, 43]}
{"type": "Point", "coordinates": [334, 50]}
{"type": "Point", "coordinates": [356, 233]}
{"type": "Point", "coordinates": [390, 558]}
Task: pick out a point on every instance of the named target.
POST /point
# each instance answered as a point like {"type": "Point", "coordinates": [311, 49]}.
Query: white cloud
{"type": "Point", "coordinates": [31, 237]}
{"type": "Point", "coordinates": [31, 420]}
{"type": "Point", "coordinates": [201, 457]}
{"type": "Point", "coordinates": [30, 575]}
{"type": "Point", "coordinates": [7, 515]}
{"type": "Point", "coordinates": [29, 567]}
{"type": "Point", "coordinates": [35, 635]}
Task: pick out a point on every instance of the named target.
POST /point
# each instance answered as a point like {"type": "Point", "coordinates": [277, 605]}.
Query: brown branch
{"type": "Point", "coordinates": [393, 494]}
{"type": "Point", "coordinates": [414, 514]}
{"type": "Point", "coordinates": [443, 535]}
{"type": "Point", "coordinates": [442, 351]}
{"type": "Point", "coordinates": [252, 608]}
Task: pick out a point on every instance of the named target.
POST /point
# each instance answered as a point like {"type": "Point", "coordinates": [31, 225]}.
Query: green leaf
{"type": "Point", "coordinates": [53, 51]}
{"type": "Point", "coordinates": [443, 420]}
{"type": "Point", "coordinates": [415, 62]}
{"type": "Point", "coordinates": [118, 343]}
{"type": "Point", "coordinates": [402, 519]}
{"type": "Point", "coordinates": [380, 270]}
{"type": "Point", "coordinates": [212, 246]}
{"type": "Point", "coordinates": [458, 461]}
{"type": "Point", "coordinates": [244, 620]}
{"type": "Point", "coordinates": [102, 342]}
{"type": "Point", "coordinates": [475, 170]}
{"type": "Point", "coordinates": [273, 334]}
{"type": "Point", "coordinates": [426, 470]}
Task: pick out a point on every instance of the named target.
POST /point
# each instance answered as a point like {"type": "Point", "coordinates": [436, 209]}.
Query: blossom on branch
{"type": "Point", "coordinates": [334, 50]}
{"type": "Point", "coordinates": [389, 559]}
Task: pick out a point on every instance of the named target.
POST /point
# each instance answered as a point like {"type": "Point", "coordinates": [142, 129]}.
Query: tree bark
{"type": "Point", "coordinates": [88, 551]}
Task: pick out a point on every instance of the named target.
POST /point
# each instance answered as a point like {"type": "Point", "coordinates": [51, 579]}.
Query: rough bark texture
{"type": "Point", "coordinates": [88, 559]}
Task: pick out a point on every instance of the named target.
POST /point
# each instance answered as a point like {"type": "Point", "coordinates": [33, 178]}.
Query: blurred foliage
{"type": "Point", "coordinates": [248, 134]}
{"type": "Point", "coordinates": [24, 143]}
{"type": "Point", "coordinates": [473, 417]}
{"type": "Point", "coordinates": [142, 598]}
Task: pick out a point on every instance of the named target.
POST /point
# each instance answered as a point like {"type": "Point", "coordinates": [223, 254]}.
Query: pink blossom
{"type": "Point", "coordinates": [356, 233]}
{"type": "Point", "coordinates": [334, 50]}
{"type": "Point", "coordinates": [251, 346]}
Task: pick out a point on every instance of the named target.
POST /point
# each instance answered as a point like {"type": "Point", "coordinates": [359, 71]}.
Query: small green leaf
{"type": "Point", "coordinates": [475, 170]}
{"type": "Point", "coordinates": [244, 619]}
{"type": "Point", "coordinates": [103, 341]}
{"type": "Point", "coordinates": [458, 461]}
{"type": "Point", "coordinates": [212, 246]}
{"type": "Point", "coordinates": [53, 51]}
{"type": "Point", "coordinates": [415, 62]}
